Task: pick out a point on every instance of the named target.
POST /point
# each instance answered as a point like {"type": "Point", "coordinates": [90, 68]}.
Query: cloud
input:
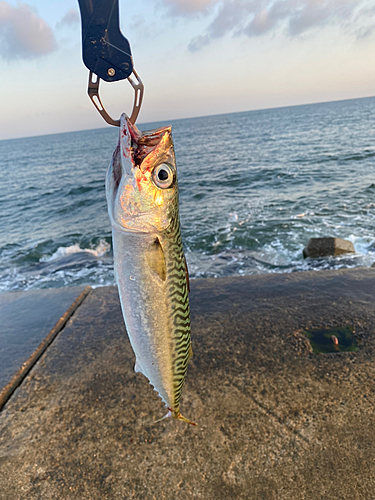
{"type": "Point", "coordinates": [288, 17]}
{"type": "Point", "coordinates": [198, 42]}
{"type": "Point", "coordinates": [138, 22]}
{"type": "Point", "coordinates": [72, 17]}
{"type": "Point", "coordinates": [231, 16]}
{"type": "Point", "coordinates": [188, 7]}
{"type": "Point", "coordinates": [23, 34]}
{"type": "Point", "coordinates": [267, 19]}
{"type": "Point", "coordinates": [316, 13]}
{"type": "Point", "coordinates": [365, 32]}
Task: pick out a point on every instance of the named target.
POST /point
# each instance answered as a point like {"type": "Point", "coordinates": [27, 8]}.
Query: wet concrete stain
{"type": "Point", "coordinates": [26, 318]}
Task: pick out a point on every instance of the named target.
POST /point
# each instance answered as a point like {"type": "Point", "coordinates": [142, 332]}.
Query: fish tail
{"type": "Point", "coordinates": [178, 416]}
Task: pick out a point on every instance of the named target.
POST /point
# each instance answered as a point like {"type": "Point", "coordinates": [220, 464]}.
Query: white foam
{"type": "Point", "coordinates": [102, 248]}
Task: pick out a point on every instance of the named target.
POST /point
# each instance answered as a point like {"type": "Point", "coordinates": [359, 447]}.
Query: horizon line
{"type": "Point", "coordinates": [195, 117]}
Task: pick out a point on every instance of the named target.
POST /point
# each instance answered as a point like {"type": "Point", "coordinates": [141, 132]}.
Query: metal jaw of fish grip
{"type": "Point", "coordinates": [93, 92]}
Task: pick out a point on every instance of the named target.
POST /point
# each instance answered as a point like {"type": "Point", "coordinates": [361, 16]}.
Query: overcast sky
{"type": "Point", "coordinates": [195, 57]}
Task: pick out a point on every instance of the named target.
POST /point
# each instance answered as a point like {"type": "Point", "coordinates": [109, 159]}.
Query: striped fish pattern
{"type": "Point", "coordinates": [150, 266]}
{"type": "Point", "coordinates": [178, 291]}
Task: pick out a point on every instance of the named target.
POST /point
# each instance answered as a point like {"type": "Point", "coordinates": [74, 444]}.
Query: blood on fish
{"type": "Point", "coordinates": [140, 178]}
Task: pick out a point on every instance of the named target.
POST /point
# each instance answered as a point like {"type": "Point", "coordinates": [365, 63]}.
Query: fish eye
{"type": "Point", "coordinates": [163, 176]}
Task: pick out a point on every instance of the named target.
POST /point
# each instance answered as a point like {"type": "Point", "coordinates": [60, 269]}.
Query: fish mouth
{"type": "Point", "coordinates": [135, 198]}
{"type": "Point", "coordinates": [137, 145]}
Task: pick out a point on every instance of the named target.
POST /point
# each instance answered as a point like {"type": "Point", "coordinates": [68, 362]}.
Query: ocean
{"type": "Point", "coordinates": [254, 187]}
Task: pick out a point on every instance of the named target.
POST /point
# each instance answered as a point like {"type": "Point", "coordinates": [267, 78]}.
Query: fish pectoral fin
{"type": "Point", "coordinates": [190, 351]}
{"type": "Point", "coordinates": [156, 260]}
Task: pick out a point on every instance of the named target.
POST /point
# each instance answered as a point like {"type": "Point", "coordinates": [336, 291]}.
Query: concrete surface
{"type": "Point", "coordinates": [275, 421]}
{"type": "Point", "coordinates": [25, 320]}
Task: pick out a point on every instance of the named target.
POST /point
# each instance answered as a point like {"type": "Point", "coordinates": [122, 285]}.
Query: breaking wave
{"type": "Point", "coordinates": [102, 249]}
{"type": "Point", "coordinates": [248, 205]}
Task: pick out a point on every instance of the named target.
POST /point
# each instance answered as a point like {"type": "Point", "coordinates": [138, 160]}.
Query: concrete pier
{"type": "Point", "coordinates": [29, 322]}
{"type": "Point", "coordinates": [275, 421]}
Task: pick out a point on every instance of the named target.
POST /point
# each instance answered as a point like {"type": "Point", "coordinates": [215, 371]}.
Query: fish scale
{"type": "Point", "coordinates": [149, 262]}
{"type": "Point", "coordinates": [179, 297]}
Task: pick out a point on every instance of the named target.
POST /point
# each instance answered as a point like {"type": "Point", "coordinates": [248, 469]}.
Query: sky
{"type": "Point", "coordinates": [195, 58]}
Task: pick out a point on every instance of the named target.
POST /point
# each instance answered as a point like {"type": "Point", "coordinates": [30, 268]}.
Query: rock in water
{"type": "Point", "coordinates": [322, 247]}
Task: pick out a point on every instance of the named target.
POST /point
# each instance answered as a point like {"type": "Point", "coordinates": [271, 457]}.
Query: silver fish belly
{"type": "Point", "coordinates": [150, 266]}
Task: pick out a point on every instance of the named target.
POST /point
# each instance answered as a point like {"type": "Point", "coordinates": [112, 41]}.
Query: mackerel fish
{"type": "Point", "coordinates": [150, 266]}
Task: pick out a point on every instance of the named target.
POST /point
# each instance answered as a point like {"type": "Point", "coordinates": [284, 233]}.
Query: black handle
{"type": "Point", "coordinates": [105, 51]}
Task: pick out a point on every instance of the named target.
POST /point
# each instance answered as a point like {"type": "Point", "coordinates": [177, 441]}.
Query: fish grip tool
{"type": "Point", "coordinates": [93, 92]}
{"type": "Point", "coordinates": [106, 53]}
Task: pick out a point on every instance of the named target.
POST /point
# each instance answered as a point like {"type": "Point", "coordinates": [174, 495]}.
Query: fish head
{"type": "Point", "coordinates": [141, 185]}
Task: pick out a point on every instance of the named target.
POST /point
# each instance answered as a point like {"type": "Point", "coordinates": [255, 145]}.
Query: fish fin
{"type": "Point", "coordinates": [178, 416]}
{"type": "Point", "coordinates": [168, 415]}
{"type": "Point", "coordinates": [187, 275]}
{"type": "Point", "coordinates": [190, 351]}
{"type": "Point", "coordinates": [138, 368]}
{"type": "Point", "coordinates": [156, 259]}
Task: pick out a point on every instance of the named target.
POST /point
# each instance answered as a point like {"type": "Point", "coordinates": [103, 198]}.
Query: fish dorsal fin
{"type": "Point", "coordinates": [156, 259]}
{"type": "Point", "coordinates": [187, 275]}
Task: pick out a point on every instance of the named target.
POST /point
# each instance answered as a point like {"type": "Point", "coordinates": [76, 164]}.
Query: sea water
{"type": "Point", "coordinates": [254, 187]}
